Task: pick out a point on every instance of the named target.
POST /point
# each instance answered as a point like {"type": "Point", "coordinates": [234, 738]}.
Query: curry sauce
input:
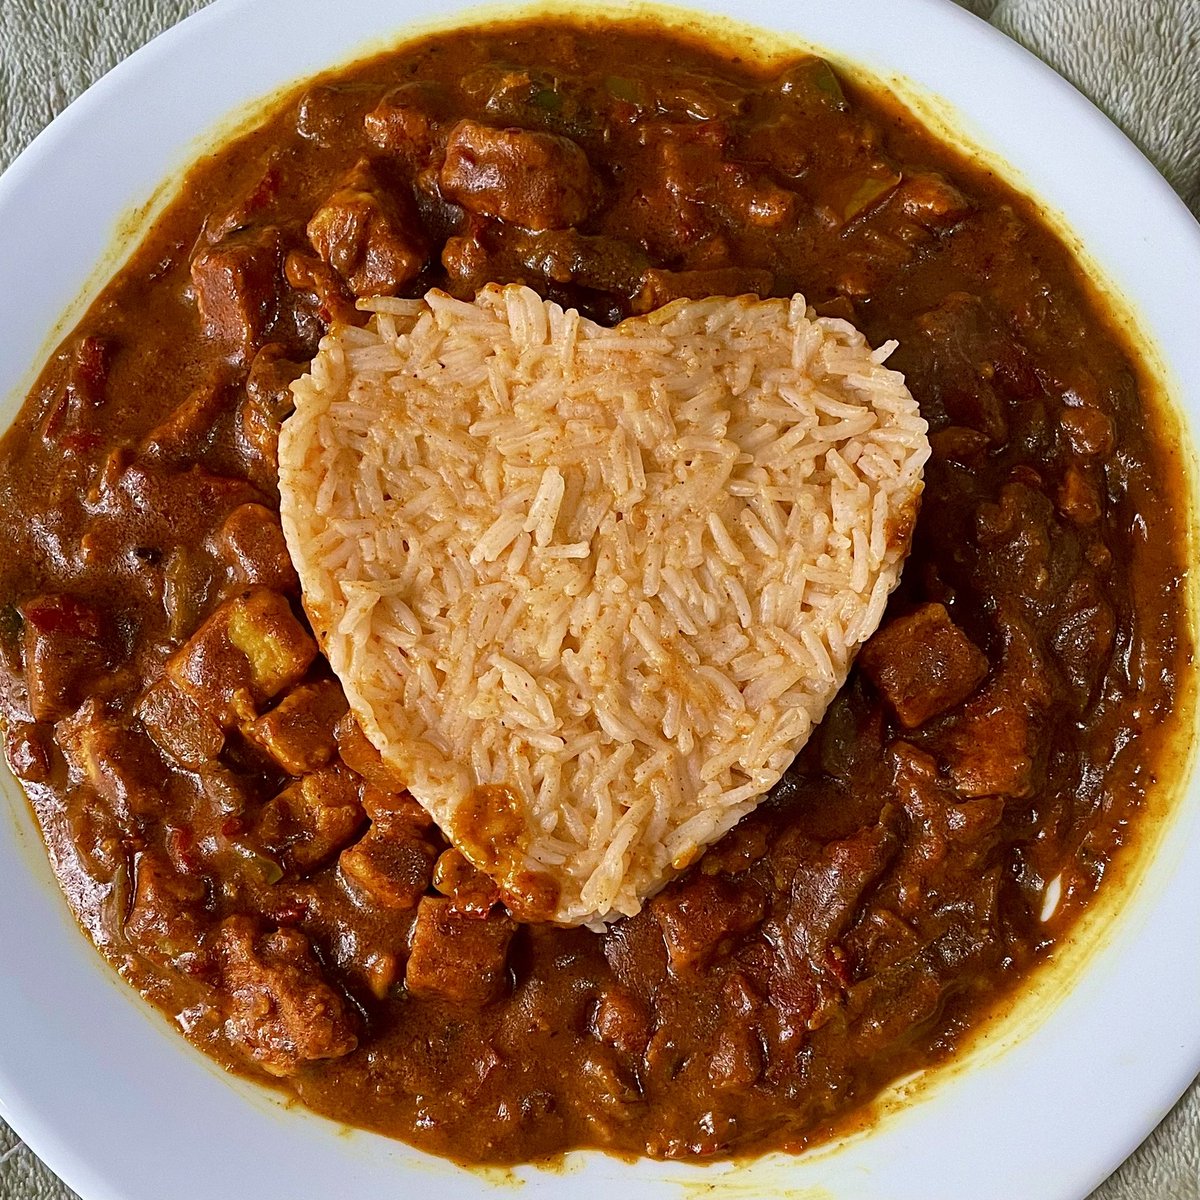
{"type": "Point", "coordinates": [234, 845]}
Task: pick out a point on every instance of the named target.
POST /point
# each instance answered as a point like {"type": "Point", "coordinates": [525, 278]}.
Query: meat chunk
{"type": "Point", "coordinates": [311, 819]}
{"type": "Point", "coordinates": [536, 180]}
{"type": "Point", "coordinates": [238, 284]}
{"type": "Point", "coordinates": [280, 1012]}
{"type": "Point", "coordinates": [671, 208]}
{"type": "Point", "coordinates": [268, 400]}
{"type": "Point", "coordinates": [246, 653]}
{"type": "Point", "coordinates": [333, 297]}
{"type": "Point", "coordinates": [178, 726]}
{"type": "Point", "coordinates": [396, 806]}
{"type": "Point", "coordinates": [923, 664]}
{"type": "Point", "coordinates": [701, 917]}
{"type": "Point", "coordinates": [371, 236]}
{"type": "Point", "coordinates": [166, 920]}
{"type": "Point", "coordinates": [66, 648]}
{"type": "Point", "coordinates": [360, 756]}
{"type": "Point", "coordinates": [159, 509]}
{"type": "Point", "coordinates": [1084, 638]}
{"type": "Point", "coordinates": [391, 866]}
{"type": "Point", "coordinates": [749, 198]}
{"type": "Point", "coordinates": [456, 957]}
{"type": "Point", "coordinates": [251, 542]}
{"type": "Point", "coordinates": [955, 356]}
{"type": "Point", "coordinates": [988, 752]}
{"type": "Point", "coordinates": [298, 732]}
{"type": "Point", "coordinates": [828, 883]}
{"type": "Point", "coordinates": [406, 121]}
{"type": "Point", "coordinates": [956, 443]}
{"type": "Point", "coordinates": [118, 762]}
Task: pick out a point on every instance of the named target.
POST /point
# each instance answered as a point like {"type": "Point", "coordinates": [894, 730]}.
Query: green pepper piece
{"type": "Point", "coordinates": [268, 868]}
{"type": "Point", "coordinates": [867, 192]}
{"type": "Point", "coordinates": [629, 90]}
{"type": "Point", "coordinates": [812, 79]}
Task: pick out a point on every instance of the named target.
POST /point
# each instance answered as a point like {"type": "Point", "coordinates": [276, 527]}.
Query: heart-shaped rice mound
{"type": "Point", "coordinates": [588, 590]}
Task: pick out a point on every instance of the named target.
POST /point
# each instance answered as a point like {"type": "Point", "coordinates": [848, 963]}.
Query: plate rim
{"type": "Point", "coordinates": [214, 22]}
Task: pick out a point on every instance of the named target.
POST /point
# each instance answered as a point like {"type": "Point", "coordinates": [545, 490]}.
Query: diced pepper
{"type": "Point", "coordinates": [812, 79]}
{"type": "Point", "coordinates": [867, 191]}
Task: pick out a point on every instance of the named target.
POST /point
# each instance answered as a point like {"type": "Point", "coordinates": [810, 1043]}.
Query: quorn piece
{"type": "Point", "coordinates": [279, 1010]}
{"type": "Point", "coordinates": [246, 653]}
{"type": "Point", "coordinates": [120, 765]}
{"type": "Point", "coordinates": [525, 177]}
{"type": "Point", "coordinates": [251, 542]}
{"type": "Point", "coordinates": [238, 284]}
{"type": "Point", "coordinates": [923, 664]}
{"type": "Point", "coordinates": [180, 727]}
{"type": "Point", "coordinates": [469, 888]}
{"type": "Point", "coordinates": [391, 865]}
{"type": "Point", "coordinates": [369, 234]}
{"type": "Point", "coordinates": [311, 819]}
{"type": "Point", "coordinates": [67, 646]}
{"type": "Point", "coordinates": [167, 920]}
{"type": "Point", "coordinates": [457, 957]}
{"type": "Point", "coordinates": [298, 733]}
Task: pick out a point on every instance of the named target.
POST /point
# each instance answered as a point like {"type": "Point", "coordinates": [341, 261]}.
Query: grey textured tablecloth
{"type": "Point", "coordinates": [1139, 59]}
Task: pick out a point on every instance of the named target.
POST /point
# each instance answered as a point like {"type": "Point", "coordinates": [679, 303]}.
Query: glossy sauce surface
{"type": "Point", "coordinates": [234, 846]}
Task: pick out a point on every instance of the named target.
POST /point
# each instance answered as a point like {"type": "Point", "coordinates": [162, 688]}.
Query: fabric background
{"type": "Point", "coordinates": [1138, 59]}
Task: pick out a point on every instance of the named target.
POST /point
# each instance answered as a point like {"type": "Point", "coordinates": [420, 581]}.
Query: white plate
{"type": "Point", "coordinates": [121, 1107]}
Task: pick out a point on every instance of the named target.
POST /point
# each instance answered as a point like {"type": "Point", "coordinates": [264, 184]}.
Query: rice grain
{"type": "Point", "coordinates": [604, 580]}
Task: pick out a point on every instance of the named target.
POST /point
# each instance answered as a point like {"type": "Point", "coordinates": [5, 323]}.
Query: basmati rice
{"type": "Point", "coordinates": [607, 579]}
